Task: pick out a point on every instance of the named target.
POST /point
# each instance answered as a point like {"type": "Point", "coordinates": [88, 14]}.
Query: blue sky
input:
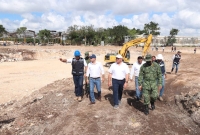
{"type": "Point", "coordinates": [60, 14]}
{"type": "Point", "coordinates": [10, 16]}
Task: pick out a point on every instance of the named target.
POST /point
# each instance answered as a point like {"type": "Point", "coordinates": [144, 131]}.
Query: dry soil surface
{"type": "Point", "coordinates": [37, 97]}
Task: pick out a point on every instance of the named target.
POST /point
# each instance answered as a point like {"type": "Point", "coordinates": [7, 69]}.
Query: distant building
{"type": "Point", "coordinates": [127, 38]}
{"type": "Point", "coordinates": [162, 40]}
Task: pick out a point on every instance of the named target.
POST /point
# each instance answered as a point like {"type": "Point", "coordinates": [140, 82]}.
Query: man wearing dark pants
{"type": "Point", "coordinates": [161, 63]}
{"type": "Point", "coordinates": [176, 60]}
{"type": "Point", "coordinates": [87, 85]}
{"type": "Point", "coordinates": [78, 64]}
{"type": "Point", "coordinates": [119, 72]}
{"type": "Point", "coordinates": [94, 72]}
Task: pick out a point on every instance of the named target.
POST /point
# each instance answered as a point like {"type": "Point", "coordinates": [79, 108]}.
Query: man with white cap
{"type": "Point", "coordinates": [176, 61]}
{"type": "Point", "coordinates": [119, 75]}
{"type": "Point", "coordinates": [94, 72]}
{"type": "Point", "coordinates": [159, 60]}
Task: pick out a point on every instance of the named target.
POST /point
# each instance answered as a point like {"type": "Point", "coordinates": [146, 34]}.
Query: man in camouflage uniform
{"type": "Point", "coordinates": [150, 81]}
{"type": "Point", "coordinates": [87, 85]}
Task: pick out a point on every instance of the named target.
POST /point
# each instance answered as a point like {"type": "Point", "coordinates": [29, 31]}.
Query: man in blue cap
{"type": "Point", "coordinates": [95, 72]}
{"type": "Point", "coordinates": [78, 64]}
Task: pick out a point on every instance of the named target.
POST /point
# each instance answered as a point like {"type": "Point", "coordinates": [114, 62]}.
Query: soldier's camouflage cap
{"type": "Point", "coordinates": [87, 54]}
{"type": "Point", "coordinates": [148, 57]}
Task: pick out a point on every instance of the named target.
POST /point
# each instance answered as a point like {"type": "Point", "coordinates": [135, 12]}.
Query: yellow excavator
{"type": "Point", "coordinates": [111, 58]}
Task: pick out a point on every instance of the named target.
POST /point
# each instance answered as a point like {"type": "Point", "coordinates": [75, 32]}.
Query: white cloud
{"type": "Point", "coordinates": [60, 14]}
{"type": "Point", "coordinates": [116, 6]}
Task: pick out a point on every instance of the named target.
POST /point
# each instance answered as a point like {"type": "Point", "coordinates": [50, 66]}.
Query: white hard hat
{"type": "Point", "coordinates": [119, 56]}
{"type": "Point", "coordinates": [159, 57]}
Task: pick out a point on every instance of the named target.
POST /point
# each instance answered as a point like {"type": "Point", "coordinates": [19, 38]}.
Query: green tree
{"type": "Point", "coordinates": [83, 33]}
{"type": "Point", "coordinates": [171, 38]}
{"type": "Point", "coordinates": [87, 33]}
{"type": "Point", "coordinates": [132, 32]}
{"type": "Point", "coordinates": [139, 32]}
{"type": "Point", "coordinates": [100, 35]}
{"type": "Point", "coordinates": [2, 30]}
{"type": "Point", "coordinates": [90, 34]}
{"type": "Point", "coordinates": [109, 35]}
{"type": "Point", "coordinates": [22, 31]}
{"type": "Point", "coordinates": [44, 35]}
{"type": "Point", "coordinates": [151, 28]}
{"type": "Point", "coordinates": [119, 32]}
{"type": "Point", "coordinates": [73, 33]}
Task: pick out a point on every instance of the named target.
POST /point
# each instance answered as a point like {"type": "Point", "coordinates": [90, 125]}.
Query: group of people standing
{"type": "Point", "coordinates": [149, 73]}
{"type": "Point", "coordinates": [149, 79]}
{"type": "Point", "coordinates": [92, 71]}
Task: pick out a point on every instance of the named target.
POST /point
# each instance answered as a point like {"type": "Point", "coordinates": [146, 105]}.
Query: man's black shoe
{"type": "Point", "coordinates": [99, 98]}
{"type": "Point", "coordinates": [92, 103]}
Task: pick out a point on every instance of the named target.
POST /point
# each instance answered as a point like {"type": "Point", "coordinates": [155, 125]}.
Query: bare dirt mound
{"type": "Point", "coordinates": [11, 55]}
{"type": "Point", "coordinates": [52, 110]}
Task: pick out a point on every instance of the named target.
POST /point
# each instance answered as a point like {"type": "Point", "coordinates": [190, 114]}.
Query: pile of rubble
{"type": "Point", "coordinates": [12, 55]}
{"type": "Point", "coordinates": [191, 104]}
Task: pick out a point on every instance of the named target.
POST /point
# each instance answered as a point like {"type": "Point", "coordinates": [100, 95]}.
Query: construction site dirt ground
{"type": "Point", "coordinates": [37, 97]}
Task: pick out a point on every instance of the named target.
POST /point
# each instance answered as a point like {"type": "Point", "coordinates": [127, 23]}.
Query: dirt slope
{"type": "Point", "coordinates": [52, 110]}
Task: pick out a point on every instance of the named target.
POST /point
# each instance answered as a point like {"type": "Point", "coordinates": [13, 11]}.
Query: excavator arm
{"type": "Point", "coordinates": [111, 58]}
{"type": "Point", "coordinates": [147, 45]}
{"type": "Point", "coordinates": [135, 42]}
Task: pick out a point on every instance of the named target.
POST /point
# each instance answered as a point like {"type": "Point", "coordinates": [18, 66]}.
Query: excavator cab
{"type": "Point", "coordinates": [128, 55]}
{"type": "Point", "coordinates": [110, 58]}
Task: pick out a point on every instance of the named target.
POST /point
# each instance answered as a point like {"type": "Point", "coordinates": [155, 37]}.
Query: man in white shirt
{"type": "Point", "coordinates": [119, 72]}
{"type": "Point", "coordinates": [94, 72]}
{"type": "Point", "coordinates": [78, 64]}
{"type": "Point", "coordinates": [135, 70]}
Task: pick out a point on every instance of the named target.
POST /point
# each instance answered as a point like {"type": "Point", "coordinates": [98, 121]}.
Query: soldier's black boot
{"type": "Point", "coordinates": [153, 106]}
{"type": "Point", "coordinates": [146, 109]}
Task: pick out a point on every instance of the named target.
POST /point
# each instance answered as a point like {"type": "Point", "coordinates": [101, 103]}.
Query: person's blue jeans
{"type": "Point", "coordinates": [78, 82]}
{"type": "Point", "coordinates": [163, 86]}
{"type": "Point", "coordinates": [117, 90]}
{"type": "Point", "coordinates": [175, 65]}
{"type": "Point", "coordinates": [95, 82]}
{"type": "Point", "coordinates": [138, 92]}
